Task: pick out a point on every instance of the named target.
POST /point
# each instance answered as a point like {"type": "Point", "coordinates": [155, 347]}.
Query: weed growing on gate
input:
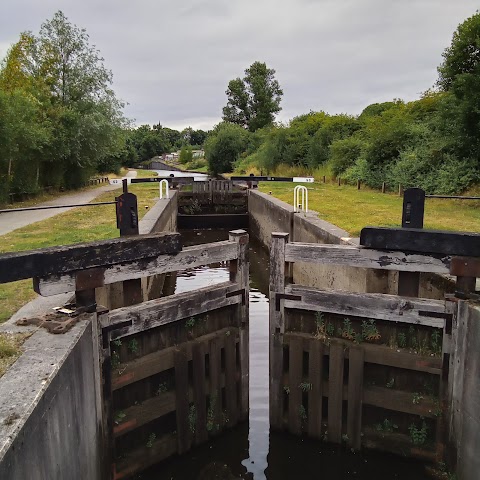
{"type": "Point", "coordinates": [418, 436]}
{"type": "Point", "coordinates": [151, 439]}
{"type": "Point", "coordinates": [386, 426]}
{"type": "Point", "coordinates": [192, 418]}
{"type": "Point", "coordinates": [133, 346]}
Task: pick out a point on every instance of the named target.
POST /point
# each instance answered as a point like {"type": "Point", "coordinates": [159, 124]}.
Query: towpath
{"type": "Point", "coordinates": [12, 220]}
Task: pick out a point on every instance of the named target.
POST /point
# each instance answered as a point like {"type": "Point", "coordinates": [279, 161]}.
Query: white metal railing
{"type": "Point", "coordinates": [303, 206]}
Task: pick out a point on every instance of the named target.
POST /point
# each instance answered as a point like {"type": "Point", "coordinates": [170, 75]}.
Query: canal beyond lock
{"type": "Point", "coordinates": [251, 451]}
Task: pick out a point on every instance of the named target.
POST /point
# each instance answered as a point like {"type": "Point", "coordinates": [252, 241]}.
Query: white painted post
{"type": "Point", "coordinates": [167, 193]}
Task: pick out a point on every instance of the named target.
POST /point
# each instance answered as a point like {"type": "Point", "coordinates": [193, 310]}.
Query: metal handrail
{"type": "Point", "coordinates": [296, 193]}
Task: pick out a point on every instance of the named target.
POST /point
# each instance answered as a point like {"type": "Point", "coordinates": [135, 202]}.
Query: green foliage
{"type": "Point", "coordinates": [417, 398]}
{"type": "Point", "coordinates": [348, 332]}
{"type": "Point", "coordinates": [336, 127]}
{"type": "Point", "coordinates": [186, 155]}
{"type": "Point", "coordinates": [386, 426]}
{"type": "Point", "coordinates": [344, 153]}
{"type": "Point", "coordinates": [60, 119]}
{"type": "Point", "coordinates": [224, 146]}
{"type": "Point", "coordinates": [192, 418]}
{"type": "Point", "coordinates": [436, 342]}
{"type": "Point", "coordinates": [369, 331]}
{"type": "Point", "coordinates": [254, 100]}
{"type": "Point", "coordinates": [190, 323]}
{"type": "Point", "coordinates": [151, 439]}
{"type": "Point", "coordinates": [418, 436]}
{"type": "Point", "coordinates": [402, 340]}
{"type": "Point", "coordinates": [463, 55]}
{"type": "Point", "coordinates": [133, 346]}
{"type": "Point", "coordinates": [305, 386]}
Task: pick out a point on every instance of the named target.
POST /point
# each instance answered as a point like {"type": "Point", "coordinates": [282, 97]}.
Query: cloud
{"type": "Point", "coordinates": [172, 60]}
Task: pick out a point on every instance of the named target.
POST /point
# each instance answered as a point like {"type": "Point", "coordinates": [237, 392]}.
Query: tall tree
{"type": "Point", "coordinates": [254, 100]}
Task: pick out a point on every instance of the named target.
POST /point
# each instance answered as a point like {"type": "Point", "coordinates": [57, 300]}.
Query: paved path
{"type": "Point", "coordinates": [12, 220]}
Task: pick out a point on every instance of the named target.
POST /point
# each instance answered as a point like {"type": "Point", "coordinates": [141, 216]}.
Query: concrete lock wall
{"type": "Point", "coordinates": [49, 409]}
{"type": "Point", "coordinates": [465, 408]}
{"type": "Point", "coordinates": [268, 214]}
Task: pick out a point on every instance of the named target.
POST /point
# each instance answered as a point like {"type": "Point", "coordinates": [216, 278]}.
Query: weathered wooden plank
{"type": "Point", "coordinates": [239, 273]}
{"type": "Point", "coordinates": [400, 401]}
{"type": "Point", "coordinates": [189, 257]}
{"type": "Point", "coordinates": [428, 241]}
{"type": "Point", "coordinates": [276, 327]}
{"type": "Point", "coordinates": [335, 393]}
{"type": "Point", "coordinates": [417, 311]}
{"type": "Point", "coordinates": [366, 258]}
{"type": "Point", "coordinates": [162, 360]}
{"type": "Point", "coordinates": [384, 355]}
{"type": "Point", "coordinates": [355, 396]}
{"type": "Point", "coordinates": [166, 310]}
{"type": "Point", "coordinates": [144, 457]}
{"type": "Point", "coordinates": [199, 392]}
{"type": "Point", "coordinates": [395, 443]}
{"type": "Point", "coordinates": [295, 368]}
{"type": "Point", "coordinates": [153, 408]}
{"type": "Point", "coordinates": [231, 381]}
{"type": "Point", "coordinates": [215, 371]}
{"type": "Point", "coordinates": [315, 395]}
{"type": "Point", "coordinates": [182, 404]}
{"type": "Point", "coordinates": [58, 260]}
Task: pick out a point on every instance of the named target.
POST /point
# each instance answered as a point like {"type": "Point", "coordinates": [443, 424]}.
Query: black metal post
{"type": "Point", "coordinates": [412, 217]}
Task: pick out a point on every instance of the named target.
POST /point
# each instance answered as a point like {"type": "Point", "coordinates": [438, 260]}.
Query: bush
{"type": "Point", "coordinates": [344, 154]}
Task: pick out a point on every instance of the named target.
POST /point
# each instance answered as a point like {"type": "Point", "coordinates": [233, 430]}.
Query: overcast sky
{"type": "Point", "coordinates": [172, 60]}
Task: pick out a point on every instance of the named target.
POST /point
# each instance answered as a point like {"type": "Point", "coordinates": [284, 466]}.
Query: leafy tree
{"type": "Point", "coordinates": [224, 146]}
{"type": "Point", "coordinates": [254, 100]}
{"type": "Point", "coordinates": [64, 77]}
{"type": "Point", "coordinates": [186, 155]}
{"type": "Point", "coordinates": [463, 55]}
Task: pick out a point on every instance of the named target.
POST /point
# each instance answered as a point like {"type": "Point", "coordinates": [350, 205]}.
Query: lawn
{"type": "Point", "coordinates": [77, 225]}
{"type": "Point", "coordinates": [352, 209]}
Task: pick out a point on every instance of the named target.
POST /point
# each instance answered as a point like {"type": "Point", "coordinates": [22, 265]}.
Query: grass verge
{"type": "Point", "coordinates": [352, 209]}
{"type": "Point", "coordinates": [84, 224]}
{"type": "Point", "coordinates": [10, 348]}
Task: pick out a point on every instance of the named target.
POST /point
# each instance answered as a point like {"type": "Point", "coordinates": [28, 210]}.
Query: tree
{"type": "Point", "coordinates": [71, 87]}
{"type": "Point", "coordinates": [254, 100]}
{"type": "Point", "coordinates": [224, 146]}
{"type": "Point", "coordinates": [463, 55]}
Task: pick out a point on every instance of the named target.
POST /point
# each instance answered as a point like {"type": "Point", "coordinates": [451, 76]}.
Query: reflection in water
{"type": "Point", "coordinates": [257, 454]}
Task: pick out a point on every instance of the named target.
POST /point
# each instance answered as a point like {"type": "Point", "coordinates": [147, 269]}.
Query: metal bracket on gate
{"type": "Point", "coordinates": [110, 328]}
{"type": "Point", "coordinates": [285, 296]}
{"type": "Point", "coordinates": [447, 316]}
{"type": "Point", "coordinates": [237, 292]}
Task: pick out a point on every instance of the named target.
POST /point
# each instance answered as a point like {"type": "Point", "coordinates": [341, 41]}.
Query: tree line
{"type": "Point", "coordinates": [60, 121]}
{"type": "Point", "coordinates": [432, 142]}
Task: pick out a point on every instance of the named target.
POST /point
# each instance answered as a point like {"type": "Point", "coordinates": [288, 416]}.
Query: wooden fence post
{"type": "Point", "coordinates": [277, 326]}
{"type": "Point", "coordinates": [383, 187]}
{"type": "Point", "coordinates": [239, 273]}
